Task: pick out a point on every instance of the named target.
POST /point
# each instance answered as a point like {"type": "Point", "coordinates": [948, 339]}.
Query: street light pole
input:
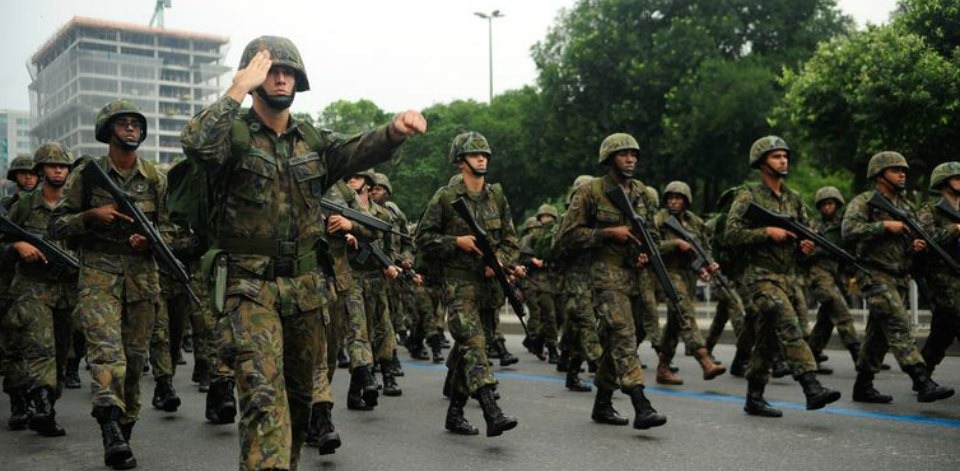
{"type": "Point", "coordinates": [489, 17]}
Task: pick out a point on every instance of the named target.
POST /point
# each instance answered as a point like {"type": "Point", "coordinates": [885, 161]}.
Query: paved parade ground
{"type": "Point", "coordinates": [706, 427]}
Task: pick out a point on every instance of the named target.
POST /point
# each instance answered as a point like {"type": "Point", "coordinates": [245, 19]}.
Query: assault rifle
{"type": "Point", "coordinates": [94, 175]}
{"type": "Point", "coordinates": [703, 258]}
{"type": "Point", "coordinates": [619, 199]}
{"type": "Point", "coordinates": [877, 201]}
{"type": "Point", "coordinates": [765, 217]}
{"type": "Point", "coordinates": [56, 256]}
{"type": "Point", "coordinates": [490, 259]}
{"type": "Point", "coordinates": [362, 219]}
{"type": "Point", "coordinates": [369, 248]}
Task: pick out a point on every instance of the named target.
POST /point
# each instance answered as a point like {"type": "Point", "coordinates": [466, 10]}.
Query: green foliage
{"type": "Point", "coordinates": [351, 117]}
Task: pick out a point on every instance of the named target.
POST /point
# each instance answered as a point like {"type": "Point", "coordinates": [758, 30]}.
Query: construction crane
{"type": "Point", "coordinates": [157, 19]}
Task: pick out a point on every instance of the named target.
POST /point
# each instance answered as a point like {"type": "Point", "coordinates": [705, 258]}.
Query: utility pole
{"type": "Point", "coordinates": [489, 17]}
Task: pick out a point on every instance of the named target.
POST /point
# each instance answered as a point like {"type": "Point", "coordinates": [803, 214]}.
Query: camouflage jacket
{"type": "Point", "coordinates": [33, 214]}
{"type": "Point", "coordinates": [440, 226]}
{"type": "Point", "coordinates": [820, 261]}
{"type": "Point", "coordinates": [873, 245]}
{"type": "Point", "coordinates": [765, 260]}
{"type": "Point", "coordinates": [402, 247]}
{"type": "Point", "coordinates": [673, 258]}
{"type": "Point", "coordinates": [589, 212]}
{"type": "Point", "coordinates": [945, 232]}
{"type": "Point", "coordinates": [270, 191]}
{"type": "Point", "coordinates": [106, 247]}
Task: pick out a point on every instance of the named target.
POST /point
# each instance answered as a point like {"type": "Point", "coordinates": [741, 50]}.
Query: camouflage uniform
{"type": "Point", "coordinates": [940, 279]}
{"type": "Point", "coordinates": [270, 223]}
{"type": "Point", "coordinates": [119, 287]}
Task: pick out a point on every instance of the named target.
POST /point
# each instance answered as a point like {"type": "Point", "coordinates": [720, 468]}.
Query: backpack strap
{"type": "Point", "coordinates": [311, 136]}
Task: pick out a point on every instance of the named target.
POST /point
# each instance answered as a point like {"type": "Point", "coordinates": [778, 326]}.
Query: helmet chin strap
{"type": "Point", "coordinates": [781, 175]}
{"type": "Point", "coordinates": [277, 102]}
{"type": "Point", "coordinates": [475, 172]}
{"type": "Point", "coordinates": [129, 146]}
{"type": "Point", "coordinates": [899, 188]}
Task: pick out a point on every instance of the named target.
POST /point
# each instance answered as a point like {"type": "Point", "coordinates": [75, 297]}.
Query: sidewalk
{"type": "Point", "coordinates": [509, 324]}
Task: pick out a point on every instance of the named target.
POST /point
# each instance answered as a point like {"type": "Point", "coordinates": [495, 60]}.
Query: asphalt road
{"type": "Point", "coordinates": [706, 428]}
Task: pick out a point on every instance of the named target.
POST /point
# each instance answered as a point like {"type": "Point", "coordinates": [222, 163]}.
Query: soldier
{"type": "Point", "coordinates": [543, 278]}
{"type": "Point", "coordinates": [678, 256]}
{"type": "Point", "coordinates": [445, 238]}
{"type": "Point", "coordinates": [271, 170]}
{"type": "Point", "coordinates": [15, 380]}
{"type": "Point", "coordinates": [771, 278]}
{"type": "Point", "coordinates": [595, 227]}
{"type": "Point", "coordinates": [534, 340]}
{"type": "Point", "coordinates": [945, 229]}
{"type": "Point", "coordinates": [824, 281]}
{"type": "Point", "coordinates": [46, 293]}
{"type": "Point", "coordinates": [119, 281]}
{"type": "Point", "coordinates": [887, 249]}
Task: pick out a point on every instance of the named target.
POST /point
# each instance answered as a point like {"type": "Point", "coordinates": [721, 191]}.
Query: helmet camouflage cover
{"type": "Point", "coordinates": [380, 179]}
{"type": "Point", "coordinates": [763, 146]}
{"type": "Point", "coordinates": [826, 193]}
{"type": "Point", "coordinates": [367, 175]}
{"type": "Point", "coordinates": [282, 52]}
{"type": "Point", "coordinates": [615, 143]}
{"type": "Point", "coordinates": [943, 172]}
{"type": "Point", "coordinates": [531, 223]}
{"type": "Point", "coordinates": [680, 188]}
{"type": "Point", "coordinates": [884, 160]}
{"type": "Point", "coordinates": [111, 110]}
{"type": "Point", "coordinates": [548, 209]}
{"type": "Point", "coordinates": [470, 142]}
{"type": "Point", "coordinates": [21, 163]}
{"type": "Point", "coordinates": [51, 153]}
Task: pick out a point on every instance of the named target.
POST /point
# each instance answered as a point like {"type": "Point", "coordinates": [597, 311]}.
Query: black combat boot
{"type": "Point", "coordinates": [863, 390]}
{"type": "Point", "coordinates": [927, 389]}
{"type": "Point", "coordinates": [497, 423]}
{"type": "Point", "coordinates": [221, 402]}
{"type": "Point", "coordinates": [448, 384]}
{"type": "Point", "coordinates": [127, 430]}
{"type": "Point", "coordinates": [368, 386]}
{"type": "Point", "coordinates": [603, 411]}
{"type": "Point", "coordinates": [415, 347]}
{"type": "Point", "coordinates": [343, 360]}
{"type": "Point", "coordinates": [201, 370]}
{"type": "Point", "coordinates": [72, 374]}
{"type": "Point", "coordinates": [356, 395]}
{"type": "Point", "coordinates": [738, 366]}
{"type": "Point", "coordinates": [573, 377]}
{"type": "Point", "coordinates": [756, 404]}
{"type": "Point", "coordinates": [646, 416]}
{"type": "Point", "coordinates": [20, 409]}
{"type": "Point", "coordinates": [396, 366]}
{"type": "Point", "coordinates": [780, 368]}
{"type": "Point", "coordinates": [854, 349]}
{"type": "Point", "coordinates": [44, 419]}
{"type": "Point", "coordinates": [492, 351]}
{"type": "Point", "coordinates": [563, 362]}
{"type": "Point", "coordinates": [436, 348]}
{"type": "Point", "coordinates": [116, 451]}
{"type": "Point", "coordinates": [402, 337]}
{"type": "Point", "coordinates": [456, 422]}
{"type": "Point", "coordinates": [506, 359]}
{"type": "Point", "coordinates": [320, 431]}
{"type": "Point", "coordinates": [553, 357]}
{"type": "Point", "coordinates": [164, 397]}
{"type": "Point", "coordinates": [817, 395]}
{"type": "Point", "coordinates": [390, 386]}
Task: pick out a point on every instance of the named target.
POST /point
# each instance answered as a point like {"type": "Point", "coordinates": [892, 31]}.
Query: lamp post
{"type": "Point", "coordinates": [489, 17]}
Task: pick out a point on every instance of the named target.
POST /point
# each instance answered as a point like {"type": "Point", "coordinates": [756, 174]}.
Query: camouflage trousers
{"type": "Point", "coordinates": [14, 372]}
{"type": "Point", "coordinates": [273, 356]}
{"type": "Point", "coordinates": [646, 317]}
{"type": "Point", "coordinates": [161, 356]}
{"type": "Point", "coordinates": [398, 302]}
{"type": "Point", "coordinates": [729, 308]}
{"type": "Point", "coordinates": [580, 329]}
{"type": "Point", "coordinates": [945, 324]}
{"type": "Point", "coordinates": [533, 309]}
{"type": "Point", "coordinates": [468, 356]}
{"type": "Point", "coordinates": [682, 324]}
{"type": "Point", "coordinates": [777, 328]}
{"type": "Point", "coordinates": [117, 333]}
{"type": "Point", "coordinates": [356, 332]}
{"type": "Point", "coordinates": [383, 339]}
{"type": "Point", "coordinates": [619, 363]}
{"type": "Point", "coordinates": [423, 318]}
{"type": "Point", "coordinates": [888, 324]}
{"type": "Point", "coordinates": [326, 365]}
{"type": "Point", "coordinates": [41, 323]}
{"type": "Point", "coordinates": [833, 312]}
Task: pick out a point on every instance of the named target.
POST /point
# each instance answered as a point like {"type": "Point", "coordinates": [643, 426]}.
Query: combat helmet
{"type": "Point", "coordinates": [679, 188]}
{"type": "Point", "coordinates": [470, 142]}
{"type": "Point", "coordinates": [826, 193]}
{"type": "Point", "coordinates": [115, 108]}
{"type": "Point", "coordinates": [531, 223]}
{"type": "Point", "coordinates": [763, 146]}
{"type": "Point", "coordinates": [884, 160]}
{"type": "Point", "coordinates": [617, 142]}
{"type": "Point", "coordinates": [21, 163]}
{"type": "Point", "coordinates": [282, 52]}
{"type": "Point", "coordinates": [547, 209]}
{"type": "Point", "coordinates": [367, 175]}
{"type": "Point", "coordinates": [383, 180]}
{"type": "Point", "coordinates": [652, 193]}
{"type": "Point", "coordinates": [53, 153]}
{"type": "Point", "coordinates": [943, 172]}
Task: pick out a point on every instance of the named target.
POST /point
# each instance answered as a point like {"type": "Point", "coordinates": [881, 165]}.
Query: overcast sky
{"type": "Point", "coordinates": [400, 55]}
